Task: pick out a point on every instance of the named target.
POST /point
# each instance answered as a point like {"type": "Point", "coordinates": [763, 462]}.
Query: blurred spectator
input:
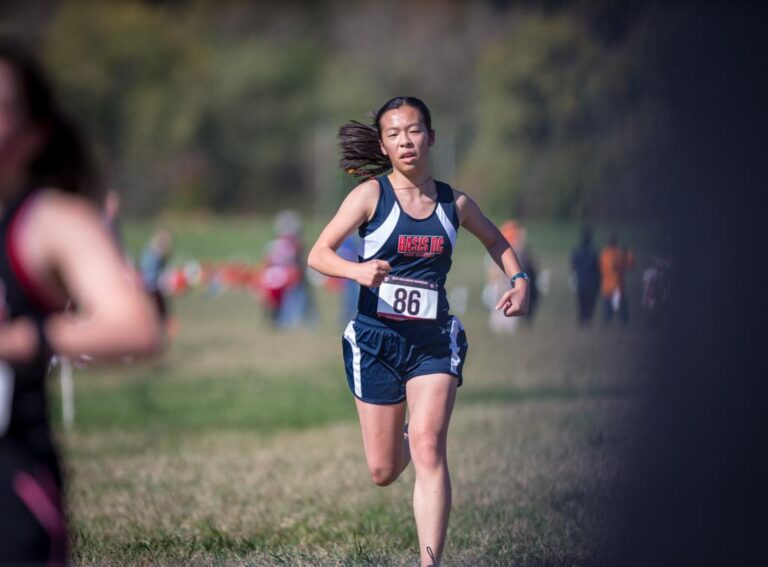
{"type": "Point", "coordinates": [497, 283]}
{"type": "Point", "coordinates": [586, 276]}
{"type": "Point", "coordinates": [615, 261]}
{"type": "Point", "coordinates": [154, 261]}
{"type": "Point", "coordinates": [528, 265]}
{"type": "Point", "coordinates": [282, 283]}
{"type": "Point", "coordinates": [656, 288]}
{"type": "Point", "coordinates": [350, 288]}
{"type": "Point", "coordinates": [517, 236]}
{"type": "Point", "coordinates": [112, 216]}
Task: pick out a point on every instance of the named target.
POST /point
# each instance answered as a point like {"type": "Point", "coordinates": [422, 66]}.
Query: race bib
{"type": "Point", "coordinates": [404, 298]}
{"type": "Point", "coordinates": [6, 396]}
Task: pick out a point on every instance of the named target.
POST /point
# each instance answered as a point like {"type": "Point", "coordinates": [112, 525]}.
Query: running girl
{"type": "Point", "coordinates": [404, 346]}
{"type": "Point", "coordinates": [54, 249]}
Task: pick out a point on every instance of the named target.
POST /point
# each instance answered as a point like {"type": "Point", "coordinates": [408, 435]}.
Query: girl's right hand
{"type": "Point", "coordinates": [371, 273]}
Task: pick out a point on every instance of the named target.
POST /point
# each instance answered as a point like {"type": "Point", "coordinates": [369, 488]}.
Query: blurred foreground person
{"type": "Point", "coordinates": [54, 250]}
{"type": "Point", "coordinates": [404, 346]}
{"type": "Point", "coordinates": [586, 277]}
{"type": "Point", "coordinates": [615, 261]}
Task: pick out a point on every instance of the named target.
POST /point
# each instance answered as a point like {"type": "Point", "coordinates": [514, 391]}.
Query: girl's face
{"type": "Point", "coordinates": [405, 139]}
{"type": "Point", "coordinates": [19, 140]}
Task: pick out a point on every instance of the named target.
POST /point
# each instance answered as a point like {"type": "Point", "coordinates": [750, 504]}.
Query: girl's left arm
{"type": "Point", "coordinates": [514, 301]}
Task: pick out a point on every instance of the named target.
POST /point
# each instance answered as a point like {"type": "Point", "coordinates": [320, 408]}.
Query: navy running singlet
{"type": "Point", "coordinates": [418, 251]}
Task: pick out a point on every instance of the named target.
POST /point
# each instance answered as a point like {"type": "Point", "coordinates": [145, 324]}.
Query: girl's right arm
{"type": "Point", "coordinates": [357, 208]}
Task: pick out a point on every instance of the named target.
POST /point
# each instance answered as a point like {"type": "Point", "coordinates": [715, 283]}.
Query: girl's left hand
{"type": "Point", "coordinates": [514, 302]}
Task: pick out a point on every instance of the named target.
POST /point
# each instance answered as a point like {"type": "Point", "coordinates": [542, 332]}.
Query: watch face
{"type": "Point", "coordinates": [521, 275]}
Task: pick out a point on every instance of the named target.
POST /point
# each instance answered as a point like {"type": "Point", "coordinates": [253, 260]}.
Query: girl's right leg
{"type": "Point", "coordinates": [386, 445]}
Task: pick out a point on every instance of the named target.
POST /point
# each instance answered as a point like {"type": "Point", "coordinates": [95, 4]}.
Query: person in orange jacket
{"type": "Point", "coordinates": [615, 261]}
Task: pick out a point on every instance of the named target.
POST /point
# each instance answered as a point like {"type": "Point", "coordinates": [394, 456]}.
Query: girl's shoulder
{"type": "Point", "coordinates": [370, 188]}
{"type": "Point", "coordinates": [364, 199]}
{"type": "Point", "coordinates": [460, 197]}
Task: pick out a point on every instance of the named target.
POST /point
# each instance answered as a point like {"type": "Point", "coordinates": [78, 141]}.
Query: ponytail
{"type": "Point", "coordinates": [361, 154]}
{"type": "Point", "coordinates": [360, 144]}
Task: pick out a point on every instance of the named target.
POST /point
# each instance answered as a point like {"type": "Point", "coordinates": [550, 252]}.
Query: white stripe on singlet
{"type": "Point", "coordinates": [372, 243]}
{"type": "Point", "coordinates": [447, 224]}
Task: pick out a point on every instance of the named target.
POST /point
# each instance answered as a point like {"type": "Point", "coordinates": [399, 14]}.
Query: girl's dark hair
{"type": "Point", "coordinates": [64, 161]}
{"type": "Point", "coordinates": [361, 143]}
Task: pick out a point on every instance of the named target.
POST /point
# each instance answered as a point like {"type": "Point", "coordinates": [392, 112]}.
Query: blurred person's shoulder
{"type": "Point", "coordinates": [52, 205]}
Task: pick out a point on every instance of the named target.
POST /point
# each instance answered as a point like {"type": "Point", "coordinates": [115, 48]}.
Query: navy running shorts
{"type": "Point", "coordinates": [381, 356]}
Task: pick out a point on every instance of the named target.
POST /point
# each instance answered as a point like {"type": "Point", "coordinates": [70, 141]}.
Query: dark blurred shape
{"type": "Point", "coordinates": [657, 288]}
{"type": "Point", "coordinates": [694, 493]}
{"type": "Point", "coordinates": [586, 275]}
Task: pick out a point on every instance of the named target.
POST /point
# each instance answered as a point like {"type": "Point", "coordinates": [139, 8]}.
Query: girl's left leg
{"type": "Point", "coordinates": [430, 403]}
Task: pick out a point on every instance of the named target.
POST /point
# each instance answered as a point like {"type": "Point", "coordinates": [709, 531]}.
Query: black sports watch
{"type": "Point", "coordinates": [519, 275]}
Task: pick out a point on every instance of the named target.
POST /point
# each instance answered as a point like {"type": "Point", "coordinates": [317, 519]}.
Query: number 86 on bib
{"type": "Point", "coordinates": [404, 298]}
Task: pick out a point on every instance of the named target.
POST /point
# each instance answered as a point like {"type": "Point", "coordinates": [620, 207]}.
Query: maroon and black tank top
{"type": "Point", "coordinates": [24, 422]}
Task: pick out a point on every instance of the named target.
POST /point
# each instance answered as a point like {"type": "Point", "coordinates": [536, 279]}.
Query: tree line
{"type": "Point", "coordinates": [540, 109]}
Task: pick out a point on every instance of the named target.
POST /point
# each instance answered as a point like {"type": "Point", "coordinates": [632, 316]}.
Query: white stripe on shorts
{"type": "Point", "coordinates": [455, 358]}
{"type": "Point", "coordinates": [351, 338]}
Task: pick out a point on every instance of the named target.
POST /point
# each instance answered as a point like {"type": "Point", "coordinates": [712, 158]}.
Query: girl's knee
{"type": "Point", "coordinates": [383, 475]}
{"type": "Point", "coordinates": [427, 450]}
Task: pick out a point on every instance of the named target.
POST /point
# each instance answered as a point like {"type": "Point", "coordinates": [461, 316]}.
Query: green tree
{"type": "Point", "coordinates": [258, 118]}
{"type": "Point", "coordinates": [134, 75]}
{"type": "Point", "coordinates": [554, 115]}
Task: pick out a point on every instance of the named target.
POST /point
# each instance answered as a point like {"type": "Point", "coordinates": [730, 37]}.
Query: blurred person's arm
{"type": "Point", "coordinates": [358, 207]}
{"type": "Point", "coordinates": [515, 300]}
{"type": "Point", "coordinates": [63, 244]}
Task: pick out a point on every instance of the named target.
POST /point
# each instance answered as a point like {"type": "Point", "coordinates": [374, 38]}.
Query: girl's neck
{"type": "Point", "coordinates": [417, 180]}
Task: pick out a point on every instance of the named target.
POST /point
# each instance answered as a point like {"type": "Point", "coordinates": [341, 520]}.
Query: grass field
{"type": "Point", "coordinates": [240, 446]}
